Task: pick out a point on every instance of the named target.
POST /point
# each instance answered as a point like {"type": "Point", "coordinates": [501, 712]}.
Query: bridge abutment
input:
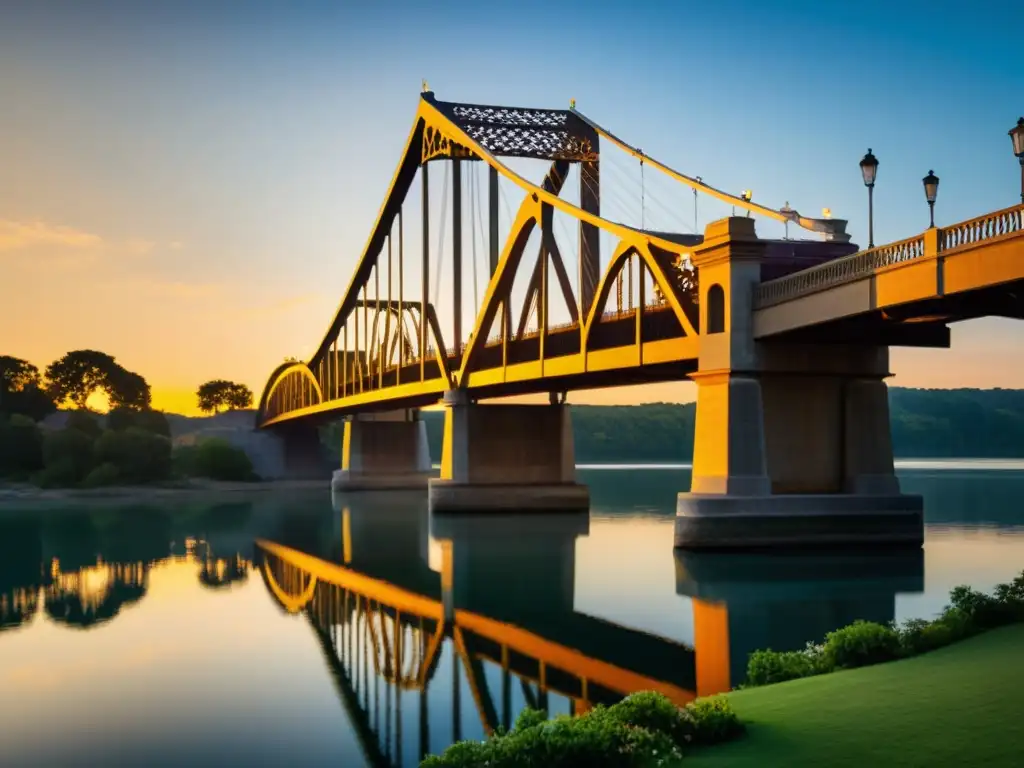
{"type": "Point", "coordinates": [300, 455]}
{"type": "Point", "coordinates": [792, 443]}
{"type": "Point", "coordinates": [383, 451]}
{"type": "Point", "coordinates": [506, 458]}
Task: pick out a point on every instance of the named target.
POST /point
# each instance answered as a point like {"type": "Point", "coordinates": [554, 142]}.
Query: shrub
{"type": "Point", "coordinates": [216, 459]}
{"type": "Point", "coordinates": [120, 419]}
{"type": "Point", "coordinates": [860, 644]}
{"type": "Point", "coordinates": [84, 421]}
{"type": "Point", "coordinates": [153, 421]}
{"type": "Point", "coordinates": [104, 474]}
{"type": "Point", "coordinates": [70, 447]}
{"type": "Point", "coordinates": [714, 720]}
{"type": "Point", "coordinates": [656, 713]}
{"type": "Point", "coordinates": [61, 474]}
{"type": "Point", "coordinates": [644, 729]}
{"type": "Point", "coordinates": [140, 456]}
{"type": "Point", "coordinates": [767, 667]}
{"type": "Point", "coordinates": [984, 611]}
{"type": "Point", "coordinates": [919, 636]}
{"type": "Point", "coordinates": [21, 446]}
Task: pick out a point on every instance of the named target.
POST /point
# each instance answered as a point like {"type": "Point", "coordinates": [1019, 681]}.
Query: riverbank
{"type": "Point", "coordinates": [23, 495]}
{"type": "Point", "coordinates": [958, 705]}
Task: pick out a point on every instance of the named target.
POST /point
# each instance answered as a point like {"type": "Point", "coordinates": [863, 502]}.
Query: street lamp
{"type": "Point", "coordinates": [931, 191]}
{"type": "Point", "coordinates": [869, 169]}
{"type": "Point", "coordinates": [1017, 136]}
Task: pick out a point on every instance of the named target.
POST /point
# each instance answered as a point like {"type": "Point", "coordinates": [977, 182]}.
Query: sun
{"type": "Point", "coordinates": [98, 402]}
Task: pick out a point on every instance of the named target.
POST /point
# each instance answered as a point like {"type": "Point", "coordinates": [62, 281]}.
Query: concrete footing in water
{"type": "Point", "coordinates": [506, 458]}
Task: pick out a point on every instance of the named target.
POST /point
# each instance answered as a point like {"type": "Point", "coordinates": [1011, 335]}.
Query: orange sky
{"type": "Point", "coordinates": [195, 203]}
{"type": "Point", "coordinates": [74, 288]}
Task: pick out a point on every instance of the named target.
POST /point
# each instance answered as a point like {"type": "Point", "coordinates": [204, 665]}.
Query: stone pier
{"type": "Point", "coordinates": [792, 445]}
{"type": "Point", "coordinates": [383, 451]}
{"type": "Point", "coordinates": [506, 458]}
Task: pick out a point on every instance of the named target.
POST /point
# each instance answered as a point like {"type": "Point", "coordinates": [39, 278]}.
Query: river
{"type": "Point", "coordinates": [290, 629]}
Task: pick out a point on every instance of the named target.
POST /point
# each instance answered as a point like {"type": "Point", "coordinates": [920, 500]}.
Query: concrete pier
{"type": "Point", "coordinates": [506, 458]}
{"type": "Point", "coordinates": [383, 451]}
{"type": "Point", "coordinates": [792, 444]}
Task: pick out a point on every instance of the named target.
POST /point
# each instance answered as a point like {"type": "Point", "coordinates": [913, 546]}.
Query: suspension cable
{"type": "Point", "coordinates": [474, 188]}
{"type": "Point", "coordinates": [440, 241]}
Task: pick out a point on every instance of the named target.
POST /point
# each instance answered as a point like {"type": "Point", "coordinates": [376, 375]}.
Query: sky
{"type": "Point", "coordinates": [189, 185]}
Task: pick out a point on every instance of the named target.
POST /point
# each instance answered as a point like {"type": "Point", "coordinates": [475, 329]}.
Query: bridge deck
{"type": "Point", "coordinates": [968, 270]}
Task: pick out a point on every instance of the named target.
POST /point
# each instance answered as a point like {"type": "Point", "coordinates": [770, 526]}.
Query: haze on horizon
{"type": "Point", "coordinates": [188, 186]}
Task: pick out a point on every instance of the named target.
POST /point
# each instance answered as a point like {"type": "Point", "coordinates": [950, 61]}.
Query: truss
{"type": "Point", "coordinates": [415, 366]}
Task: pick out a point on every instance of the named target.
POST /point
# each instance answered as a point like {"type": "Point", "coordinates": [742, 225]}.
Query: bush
{"type": "Point", "coordinates": [656, 713]}
{"type": "Point", "coordinates": [120, 419]}
{"type": "Point", "coordinates": [104, 474]}
{"type": "Point", "coordinates": [860, 644]}
{"type": "Point", "coordinates": [61, 474]}
{"type": "Point", "coordinates": [983, 611]}
{"type": "Point", "coordinates": [71, 448]}
{"type": "Point", "coordinates": [21, 446]}
{"type": "Point", "coordinates": [767, 667]}
{"type": "Point", "coordinates": [215, 459]}
{"type": "Point", "coordinates": [140, 456]}
{"type": "Point", "coordinates": [714, 720]}
{"type": "Point", "coordinates": [153, 421]}
{"type": "Point", "coordinates": [84, 421]}
{"type": "Point", "coordinates": [644, 729]}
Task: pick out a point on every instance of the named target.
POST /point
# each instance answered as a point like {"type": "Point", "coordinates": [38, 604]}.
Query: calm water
{"type": "Point", "coordinates": [288, 630]}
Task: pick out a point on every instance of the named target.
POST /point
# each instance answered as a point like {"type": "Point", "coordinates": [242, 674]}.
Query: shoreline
{"type": "Point", "coordinates": [21, 495]}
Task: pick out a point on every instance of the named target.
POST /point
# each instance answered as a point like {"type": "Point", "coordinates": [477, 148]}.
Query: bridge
{"type": "Point", "coordinates": [786, 339]}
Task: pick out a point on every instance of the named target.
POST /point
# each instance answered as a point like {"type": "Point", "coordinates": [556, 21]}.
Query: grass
{"type": "Point", "coordinates": [959, 705]}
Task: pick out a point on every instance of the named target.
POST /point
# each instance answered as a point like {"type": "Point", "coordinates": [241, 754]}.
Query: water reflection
{"type": "Point", "coordinates": [84, 568]}
{"type": "Point", "coordinates": [470, 618]}
{"type": "Point", "coordinates": [743, 603]}
{"type": "Point", "coordinates": [374, 634]}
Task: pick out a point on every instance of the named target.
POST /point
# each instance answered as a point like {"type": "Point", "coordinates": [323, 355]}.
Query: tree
{"type": "Point", "coordinates": [219, 393]}
{"type": "Point", "coordinates": [77, 375]}
{"type": "Point", "coordinates": [80, 373]}
{"type": "Point", "coordinates": [239, 397]}
{"type": "Point", "coordinates": [126, 389]}
{"type": "Point", "coordinates": [21, 389]}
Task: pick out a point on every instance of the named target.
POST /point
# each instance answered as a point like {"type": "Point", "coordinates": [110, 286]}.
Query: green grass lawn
{"type": "Point", "coordinates": [958, 706]}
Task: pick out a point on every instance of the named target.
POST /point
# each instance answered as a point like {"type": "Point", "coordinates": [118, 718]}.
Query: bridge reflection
{"type": "Point", "coordinates": [744, 603]}
{"type": "Point", "coordinates": [438, 629]}
{"type": "Point", "coordinates": [476, 623]}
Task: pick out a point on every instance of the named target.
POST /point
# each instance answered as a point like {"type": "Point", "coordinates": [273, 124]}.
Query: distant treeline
{"type": "Point", "coordinates": [926, 423]}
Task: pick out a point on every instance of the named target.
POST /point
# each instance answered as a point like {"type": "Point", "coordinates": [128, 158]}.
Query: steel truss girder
{"type": "Point", "coordinates": [532, 212]}
{"type": "Point", "coordinates": [431, 118]}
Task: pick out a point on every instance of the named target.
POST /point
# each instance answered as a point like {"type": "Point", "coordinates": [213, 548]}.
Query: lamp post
{"type": "Point", "coordinates": [931, 191]}
{"type": "Point", "coordinates": [1017, 136]}
{"type": "Point", "coordinates": [869, 169]}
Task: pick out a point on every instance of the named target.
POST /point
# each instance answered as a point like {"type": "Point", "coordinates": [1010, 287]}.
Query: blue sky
{"type": "Point", "coordinates": [225, 161]}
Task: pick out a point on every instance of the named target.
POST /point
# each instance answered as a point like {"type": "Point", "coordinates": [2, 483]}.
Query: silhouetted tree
{"type": "Point", "coordinates": [79, 373]}
{"type": "Point", "coordinates": [126, 389]}
{"type": "Point", "coordinates": [220, 393]}
{"type": "Point", "coordinates": [21, 390]}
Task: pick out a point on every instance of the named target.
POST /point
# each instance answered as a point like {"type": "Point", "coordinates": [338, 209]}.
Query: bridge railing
{"type": "Point", "coordinates": [864, 263]}
{"type": "Point", "coordinates": [983, 228]}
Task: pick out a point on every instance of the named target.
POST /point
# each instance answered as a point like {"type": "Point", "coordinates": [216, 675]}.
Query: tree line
{"type": "Point", "coordinates": [72, 379]}
{"type": "Point", "coordinates": [925, 423]}
{"type": "Point", "coordinates": [131, 444]}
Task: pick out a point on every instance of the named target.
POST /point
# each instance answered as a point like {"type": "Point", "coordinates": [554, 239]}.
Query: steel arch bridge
{"type": "Point", "coordinates": [384, 348]}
